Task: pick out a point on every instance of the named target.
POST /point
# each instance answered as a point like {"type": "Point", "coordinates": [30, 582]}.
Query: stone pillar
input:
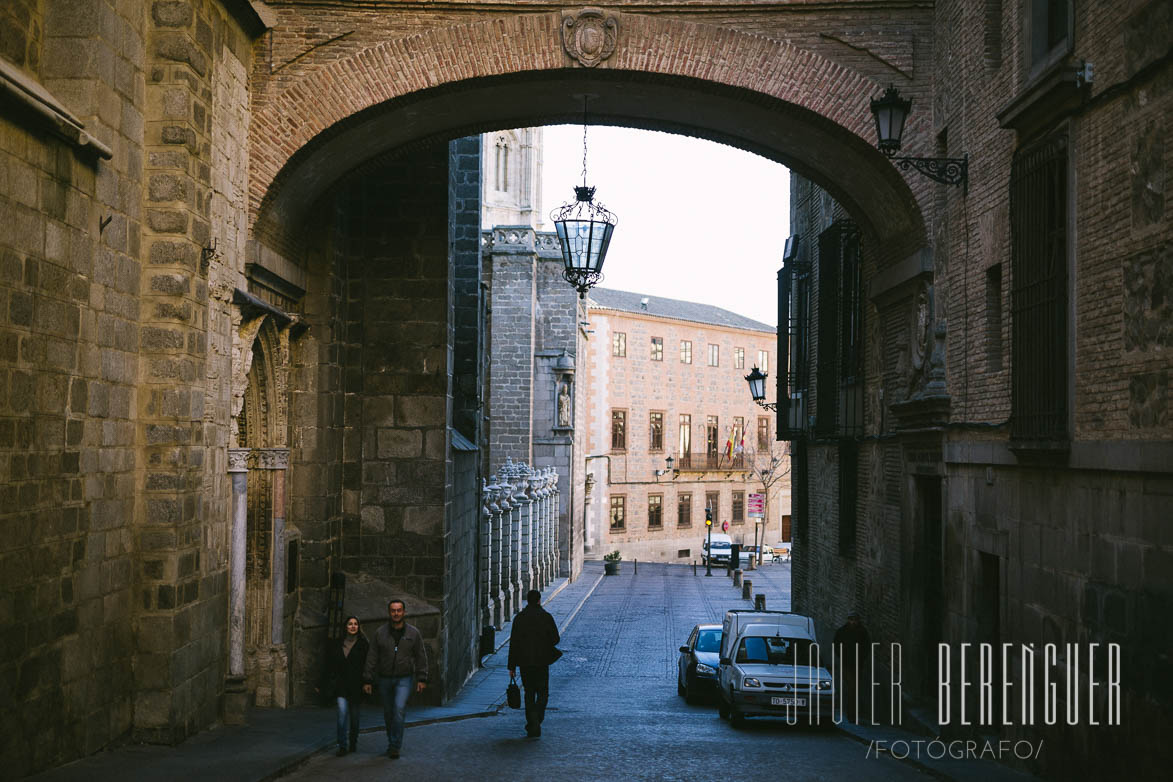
{"type": "Point", "coordinates": [277, 460]}
{"type": "Point", "coordinates": [501, 560]}
{"type": "Point", "coordinates": [519, 501]}
{"type": "Point", "coordinates": [552, 529]}
{"type": "Point", "coordinates": [555, 504]}
{"type": "Point", "coordinates": [537, 483]}
{"type": "Point", "coordinates": [488, 495]}
{"type": "Point", "coordinates": [528, 540]}
{"type": "Point", "coordinates": [235, 692]}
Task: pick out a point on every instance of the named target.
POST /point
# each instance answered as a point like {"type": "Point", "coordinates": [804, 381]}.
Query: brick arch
{"type": "Point", "coordinates": [749, 91]}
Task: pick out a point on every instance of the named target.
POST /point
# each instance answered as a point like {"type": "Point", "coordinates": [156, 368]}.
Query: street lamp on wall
{"type": "Point", "coordinates": [757, 388]}
{"type": "Point", "coordinates": [670, 464]}
{"type": "Point", "coordinates": [891, 112]}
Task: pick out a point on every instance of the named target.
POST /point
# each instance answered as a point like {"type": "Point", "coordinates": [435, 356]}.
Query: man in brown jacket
{"type": "Point", "coordinates": [396, 659]}
{"type": "Point", "coordinates": [531, 646]}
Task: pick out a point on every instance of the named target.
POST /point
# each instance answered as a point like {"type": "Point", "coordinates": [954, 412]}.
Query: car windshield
{"type": "Point", "coordinates": [708, 641]}
{"type": "Point", "coordinates": [776, 650]}
{"type": "Point", "coordinates": [720, 544]}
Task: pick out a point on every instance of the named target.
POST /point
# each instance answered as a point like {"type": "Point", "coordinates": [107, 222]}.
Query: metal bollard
{"type": "Point", "coordinates": [694, 567]}
{"type": "Point", "coordinates": [747, 590]}
{"type": "Point", "coordinates": [759, 602]}
{"type": "Point", "coordinates": [635, 567]}
{"type": "Point", "coordinates": [736, 578]}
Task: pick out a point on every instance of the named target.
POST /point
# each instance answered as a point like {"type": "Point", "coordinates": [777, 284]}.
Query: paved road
{"type": "Point", "coordinates": [614, 713]}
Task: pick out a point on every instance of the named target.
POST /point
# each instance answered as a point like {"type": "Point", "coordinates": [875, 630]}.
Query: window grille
{"type": "Point", "coordinates": [619, 344]}
{"type": "Point", "coordinates": [793, 376]}
{"type": "Point", "coordinates": [657, 348]}
{"type": "Point", "coordinates": [739, 358]}
{"type": "Point", "coordinates": [685, 351]}
{"type": "Point", "coordinates": [1038, 229]}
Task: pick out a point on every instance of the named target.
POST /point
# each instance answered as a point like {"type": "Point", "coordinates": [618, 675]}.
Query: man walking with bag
{"type": "Point", "coordinates": [396, 659]}
{"type": "Point", "coordinates": [532, 648]}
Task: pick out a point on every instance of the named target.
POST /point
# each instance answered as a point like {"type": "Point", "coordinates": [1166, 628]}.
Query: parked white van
{"type": "Point", "coordinates": [722, 548]}
{"type": "Point", "coordinates": [770, 666]}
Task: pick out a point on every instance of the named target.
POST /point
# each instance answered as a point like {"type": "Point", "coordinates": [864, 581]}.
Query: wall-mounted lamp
{"type": "Point", "coordinates": [757, 388]}
{"type": "Point", "coordinates": [890, 112]}
{"type": "Point", "coordinates": [671, 468]}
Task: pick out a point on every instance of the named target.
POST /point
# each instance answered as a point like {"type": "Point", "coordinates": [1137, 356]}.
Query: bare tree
{"type": "Point", "coordinates": [767, 468]}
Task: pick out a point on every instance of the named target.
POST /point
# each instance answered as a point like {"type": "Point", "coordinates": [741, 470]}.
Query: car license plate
{"type": "Point", "coordinates": [787, 701]}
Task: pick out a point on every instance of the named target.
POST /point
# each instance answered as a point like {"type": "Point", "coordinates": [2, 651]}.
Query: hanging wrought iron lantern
{"type": "Point", "coordinates": [584, 227]}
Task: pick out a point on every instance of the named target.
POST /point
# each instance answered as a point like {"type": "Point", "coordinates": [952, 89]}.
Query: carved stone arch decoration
{"type": "Point", "coordinates": [260, 368]}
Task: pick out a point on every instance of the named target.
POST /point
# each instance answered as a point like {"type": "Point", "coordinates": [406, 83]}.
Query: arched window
{"type": "Point", "coordinates": [502, 162]}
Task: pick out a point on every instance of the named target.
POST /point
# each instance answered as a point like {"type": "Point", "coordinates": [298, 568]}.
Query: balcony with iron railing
{"type": "Point", "coordinates": [699, 462]}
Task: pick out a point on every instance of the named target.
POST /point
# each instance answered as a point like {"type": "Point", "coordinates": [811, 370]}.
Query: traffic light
{"type": "Point", "coordinates": [708, 517]}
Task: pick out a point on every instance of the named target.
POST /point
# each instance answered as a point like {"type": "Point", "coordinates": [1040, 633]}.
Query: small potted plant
{"type": "Point", "coordinates": [611, 563]}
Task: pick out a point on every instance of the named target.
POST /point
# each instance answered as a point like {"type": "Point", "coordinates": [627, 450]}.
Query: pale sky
{"type": "Point", "coordinates": [698, 220]}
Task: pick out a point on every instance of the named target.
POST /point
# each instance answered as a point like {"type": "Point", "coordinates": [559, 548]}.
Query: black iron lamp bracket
{"type": "Point", "coordinates": [767, 405]}
{"type": "Point", "coordinates": [946, 170]}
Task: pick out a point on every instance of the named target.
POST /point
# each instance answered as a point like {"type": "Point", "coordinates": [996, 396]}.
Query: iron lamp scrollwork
{"type": "Point", "coordinates": [891, 112]}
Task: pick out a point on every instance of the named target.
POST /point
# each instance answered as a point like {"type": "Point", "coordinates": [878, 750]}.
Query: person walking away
{"type": "Point", "coordinates": [853, 650]}
{"type": "Point", "coordinates": [342, 679]}
{"type": "Point", "coordinates": [397, 660]}
{"type": "Point", "coordinates": [532, 645]}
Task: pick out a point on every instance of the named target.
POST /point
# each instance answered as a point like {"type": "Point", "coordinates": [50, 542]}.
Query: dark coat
{"type": "Point", "coordinates": [342, 673]}
{"type": "Point", "coordinates": [533, 638]}
{"type": "Point", "coordinates": [406, 658]}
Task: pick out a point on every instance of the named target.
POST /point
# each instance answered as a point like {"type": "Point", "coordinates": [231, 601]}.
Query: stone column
{"type": "Point", "coordinates": [519, 501]}
{"type": "Point", "coordinates": [501, 561]}
{"type": "Point", "coordinates": [277, 461]}
{"type": "Point", "coordinates": [235, 692]}
{"type": "Point", "coordinates": [488, 495]}
{"type": "Point", "coordinates": [555, 506]}
{"type": "Point", "coordinates": [528, 540]}
{"type": "Point", "coordinates": [552, 528]}
{"type": "Point", "coordinates": [537, 490]}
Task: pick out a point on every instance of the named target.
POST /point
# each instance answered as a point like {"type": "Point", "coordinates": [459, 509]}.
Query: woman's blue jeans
{"type": "Point", "coordinates": [347, 722]}
{"type": "Point", "coordinates": [394, 691]}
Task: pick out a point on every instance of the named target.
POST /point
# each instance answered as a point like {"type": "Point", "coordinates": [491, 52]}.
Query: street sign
{"type": "Point", "coordinates": [756, 506]}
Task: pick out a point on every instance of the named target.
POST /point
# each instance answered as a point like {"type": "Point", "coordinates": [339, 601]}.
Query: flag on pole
{"type": "Point", "coordinates": [740, 444]}
{"type": "Point", "coordinates": [729, 445]}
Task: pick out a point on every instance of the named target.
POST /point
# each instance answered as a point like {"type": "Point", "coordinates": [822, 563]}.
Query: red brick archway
{"type": "Point", "coordinates": [746, 90]}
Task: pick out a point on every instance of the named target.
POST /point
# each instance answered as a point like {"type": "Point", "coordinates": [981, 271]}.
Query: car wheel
{"type": "Point", "coordinates": [722, 709]}
{"type": "Point", "coordinates": [691, 696]}
{"type": "Point", "coordinates": [680, 688]}
{"type": "Point", "coordinates": [736, 719]}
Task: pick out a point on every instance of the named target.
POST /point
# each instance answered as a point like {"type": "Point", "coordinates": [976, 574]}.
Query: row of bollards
{"type": "Point", "coordinates": [759, 600]}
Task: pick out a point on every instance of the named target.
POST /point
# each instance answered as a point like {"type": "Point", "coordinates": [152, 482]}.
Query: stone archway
{"type": "Point", "coordinates": [764, 95]}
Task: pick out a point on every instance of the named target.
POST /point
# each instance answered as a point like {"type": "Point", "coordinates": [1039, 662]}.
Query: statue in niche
{"type": "Point", "coordinates": [564, 406]}
{"type": "Point", "coordinates": [920, 345]}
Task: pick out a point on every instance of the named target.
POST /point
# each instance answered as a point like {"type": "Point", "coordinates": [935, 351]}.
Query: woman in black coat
{"type": "Point", "coordinates": [342, 679]}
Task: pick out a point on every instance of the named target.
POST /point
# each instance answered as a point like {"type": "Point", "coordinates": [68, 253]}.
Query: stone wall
{"type": "Point", "coordinates": [69, 333]}
{"type": "Point", "coordinates": [117, 341]}
{"type": "Point", "coordinates": [397, 370]}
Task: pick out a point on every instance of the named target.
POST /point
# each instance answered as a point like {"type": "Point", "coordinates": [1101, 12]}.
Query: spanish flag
{"type": "Point", "coordinates": [729, 445]}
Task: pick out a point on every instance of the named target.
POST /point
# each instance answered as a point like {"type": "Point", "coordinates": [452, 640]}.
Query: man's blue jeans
{"type": "Point", "coordinates": [394, 690]}
{"type": "Point", "coordinates": [347, 722]}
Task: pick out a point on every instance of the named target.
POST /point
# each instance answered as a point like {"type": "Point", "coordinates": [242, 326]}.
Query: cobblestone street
{"type": "Point", "coordinates": [614, 712]}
